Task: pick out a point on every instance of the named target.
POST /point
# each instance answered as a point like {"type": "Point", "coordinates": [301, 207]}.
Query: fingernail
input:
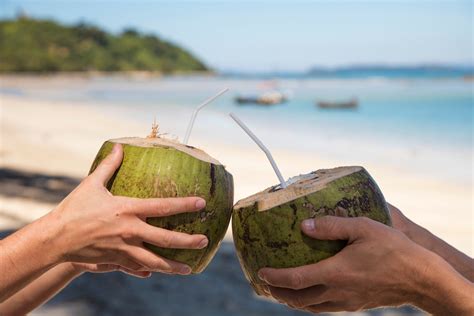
{"type": "Point", "coordinates": [115, 148]}
{"type": "Point", "coordinates": [200, 204]}
{"type": "Point", "coordinates": [203, 243]}
{"type": "Point", "coordinates": [185, 270]}
{"type": "Point", "coordinates": [308, 225]}
{"type": "Point", "coordinates": [261, 275]}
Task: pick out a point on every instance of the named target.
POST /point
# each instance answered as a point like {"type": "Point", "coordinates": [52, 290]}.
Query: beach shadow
{"type": "Point", "coordinates": [35, 186]}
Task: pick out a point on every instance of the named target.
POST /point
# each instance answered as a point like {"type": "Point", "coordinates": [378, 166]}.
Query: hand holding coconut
{"type": "Point", "coordinates": [134, 216]}
{"type": "Point", "coordinates": [368, 274]}
{"type": "Point", "coordinates": [98, 232]}
{"type": "Point", "coordinates": [322, 242]}
{"type": "Point", "coordinates": [116, 225]}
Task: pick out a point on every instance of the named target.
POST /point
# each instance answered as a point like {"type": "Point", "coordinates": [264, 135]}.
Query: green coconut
{"type": "Point", "coordinates": [266, 226]}
{"type": "Point", "coordinates": [160, 168]}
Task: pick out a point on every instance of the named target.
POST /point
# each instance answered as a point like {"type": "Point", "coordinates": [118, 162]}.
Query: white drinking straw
{"type": "Point", "coordinates": [195, 112]}
{"type": "Point", "coordinates": [262, 146]}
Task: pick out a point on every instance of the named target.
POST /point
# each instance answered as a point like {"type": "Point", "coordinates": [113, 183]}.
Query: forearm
{"type": "Point", "coordinates": [441, 290]}
{"type": "Point", "coordinates": [458, 260]}
{"type": "Point", "coordinates": [40, 290]}
{"type": "Point", "coordinates": [27, 254]}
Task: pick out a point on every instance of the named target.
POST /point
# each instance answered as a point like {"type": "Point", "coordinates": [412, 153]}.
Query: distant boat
{"type": "Point", "coordinates": [350, 104]}
{"type": "Point", "coordinates": [267, 98]}
{"type": "Point", "coordinates": [468, 78]}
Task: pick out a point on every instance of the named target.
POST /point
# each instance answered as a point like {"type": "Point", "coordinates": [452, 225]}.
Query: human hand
{"type": "Point", "coordinates": [80, 268]}
{"type": "Point", "coordinates": [93, 226]}
{"type": "Point", "coordinates": [458, 260]}
{"type": "Point", "coordinates": [379, 266]}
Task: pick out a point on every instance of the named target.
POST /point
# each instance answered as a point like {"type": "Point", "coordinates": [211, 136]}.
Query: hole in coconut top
{"type": "Point", "coordinates": [297, 187]}
{"type": "Point", "coordinates": [166, 143]}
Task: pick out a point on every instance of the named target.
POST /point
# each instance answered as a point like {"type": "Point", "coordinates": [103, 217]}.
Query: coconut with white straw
{"type": "Point", "coordinates": [266, 225]}
{"type": "Point", "coordinates": [156, 167]}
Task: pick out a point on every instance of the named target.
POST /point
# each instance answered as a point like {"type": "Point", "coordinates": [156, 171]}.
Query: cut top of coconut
{"type": "Point", "coordinates": [298, 186]}
{"type": "Point", "coordinates": [166, 143]}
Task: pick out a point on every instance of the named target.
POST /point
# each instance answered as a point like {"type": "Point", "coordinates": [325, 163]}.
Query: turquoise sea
{"type": "Point", "coordinates": [426, 123]}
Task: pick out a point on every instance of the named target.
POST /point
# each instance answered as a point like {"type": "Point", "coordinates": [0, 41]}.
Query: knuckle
{"type": "Point", "coordinates": [331, 276]}
{"type": "Point", "coordinates": [108, 161]}
{"type": "Point", "coordinates": [329, 224]}
{"type": "Point", "coordinates": [190, 203]}
{"type": "Point", "coordinates": [325, 220]}
{"type": "Point", "coordinates": [296, 280]}
{"type": "Point", "coordinates": [363, 225]}
{"type": "Point", "coordinates": [143, 262]}
{"type": "Point", "coordinates": [364, 221]}
{"type": "Point", "coordinates": [166, 240]}
{"type": "Point", "coordinates": [126, 206]}
{"type": "Point", "coordinates": [128, 233]}
{"type": "Point", "coordinates": [164, 207]}
{"type": "Point", "coordinates": [158, 265]}
{"type": "Point", "coordinates": [133, 266]}
{"type": "Point", "coordinates": [297, 302]}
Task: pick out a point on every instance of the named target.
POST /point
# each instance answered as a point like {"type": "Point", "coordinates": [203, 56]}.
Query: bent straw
{"type": "Point", "coordinates": [262, 146]}
{"type": "Point", "coordinates": [195, 112]}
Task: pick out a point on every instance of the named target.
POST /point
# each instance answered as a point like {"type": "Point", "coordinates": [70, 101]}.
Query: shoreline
{"type": "Point", "coordinates": [94, 74]}
{"type": "Point", "coordinates": [140, 75]}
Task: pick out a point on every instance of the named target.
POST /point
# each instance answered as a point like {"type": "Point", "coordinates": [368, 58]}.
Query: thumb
{"type": "Point", "coordinates": [106, 169]}
{"type": "Point", "coordinates": [334, 228]}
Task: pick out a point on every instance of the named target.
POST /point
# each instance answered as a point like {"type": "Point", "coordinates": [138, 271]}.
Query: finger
{"type": "Point", "coordinates": [325, 307]}
{"type": "Point", "coordinates": [335, 228]}
{"type": "Point", "coordinates": [123, 262]}
{"type": "Point", "coordinates": [153, 262]}
{"type": "Point", "coordinates": [301, 277]}
{"type": "Point", "coordinates": [164, 206]}
{"type": "Point", "coordinates": [399, 221]}
{"type": "Point", "coordinates": [169, 239]}
{"type": "Point", "coordinates": [300, 298]}
{"type": "Point", "coordinates": [104, 267]}
{"type": "Point", "coordinates": [139, 274]}
{"type": "Point", "coordinates": [107, 267]}
{"type": "Point", "coordinates": [106, 169]}
{"type": "Point", "coordinates": [130, 264]}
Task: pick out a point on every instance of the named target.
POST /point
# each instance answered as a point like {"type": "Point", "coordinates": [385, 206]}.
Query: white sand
{"type": "Point", "coordinates": [63, 138]}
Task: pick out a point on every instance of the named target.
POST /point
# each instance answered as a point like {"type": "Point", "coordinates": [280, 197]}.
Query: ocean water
{"type": "Point", "coordinates": [425, 124]}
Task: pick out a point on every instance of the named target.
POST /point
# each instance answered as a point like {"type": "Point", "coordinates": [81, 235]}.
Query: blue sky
{"type": "Point", "coordinates": [284, 35]}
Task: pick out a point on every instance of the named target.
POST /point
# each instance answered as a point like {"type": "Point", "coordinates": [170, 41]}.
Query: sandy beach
{"type": "Point", "coordinates": [61, 138]}
{"type": "Point", "coordinates": [47, 147]}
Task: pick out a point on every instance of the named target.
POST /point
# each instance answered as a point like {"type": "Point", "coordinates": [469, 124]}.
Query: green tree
{"type": "Point", "coordinates": [31, 45]}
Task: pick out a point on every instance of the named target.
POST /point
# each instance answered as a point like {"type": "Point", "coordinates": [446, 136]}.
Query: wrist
{"type": "Point", "coordinates": [51, 228]}
{"type": "Point", "coordinates": [418, 234]}
{"type": "Point", "coordinates": [438, 289]}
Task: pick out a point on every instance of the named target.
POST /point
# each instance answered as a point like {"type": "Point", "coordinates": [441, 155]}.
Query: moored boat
{"type": "Point", "coordinates": [267, 98]}
{"type": "Point", "coordinates": [350, 104]}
